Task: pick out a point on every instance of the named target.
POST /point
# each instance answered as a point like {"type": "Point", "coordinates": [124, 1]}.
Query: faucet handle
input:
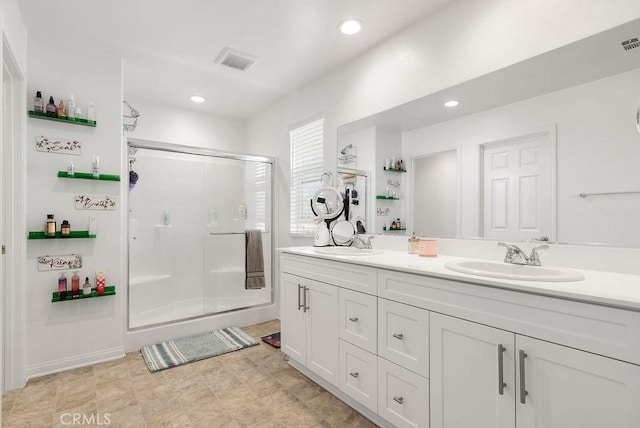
{"type": "Point", "coordinates": [534, 259]}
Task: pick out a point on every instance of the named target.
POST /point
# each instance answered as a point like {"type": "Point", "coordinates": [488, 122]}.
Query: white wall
{"type": "Point", "coordinates": [67, 334]}
{"type": "Point", "coordinates": [164, 123]}
{"type": "Point", "coordinates": [462, 40]}
{"type": "Point", "coordinates": [597, 151]}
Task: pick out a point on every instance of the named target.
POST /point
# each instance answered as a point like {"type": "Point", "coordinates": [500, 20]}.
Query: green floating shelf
{"type": "Point", "coordinates": [109, 290]}
{"type": "Point", "coordinates": [89, 176]}
{"type": "Point", "coordinates": [391, 198]}
{"type": "Point", "coordinates": [71, 120]}
{"type": "Point", "coordinates": [73, 234]}
{"type": "Point", "coordinates": [394, 169]}
{"type": "Point", "coordinates": [393, 229]}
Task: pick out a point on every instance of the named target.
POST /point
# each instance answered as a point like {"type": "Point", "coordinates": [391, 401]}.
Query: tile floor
{"type": "Point", "coordinates": [253, 387]}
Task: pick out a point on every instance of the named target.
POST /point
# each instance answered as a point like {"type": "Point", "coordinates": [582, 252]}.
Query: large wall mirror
{"type": "Point", "coordinates": [544, 148]}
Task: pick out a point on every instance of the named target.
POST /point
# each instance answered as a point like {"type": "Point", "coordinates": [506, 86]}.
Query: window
{"type": "Point", "coordinates": [307, 151]}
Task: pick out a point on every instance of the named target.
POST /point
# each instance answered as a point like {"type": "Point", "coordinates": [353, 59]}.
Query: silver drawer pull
{"type": "Point", "coordinates": [399, 336]}
{"type": "Point", "coordinates": [398, 400]}
{"type": "Point", "coordinates": [354, 319]}
{"type": "Point", "coordinates": [354, 374]}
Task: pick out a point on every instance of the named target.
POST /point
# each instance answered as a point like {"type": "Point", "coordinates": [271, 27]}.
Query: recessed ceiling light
{"type": "Point", "coordinates": [350, 26]}
{"type": "Point", "coordinates": [197, 99]}
{"type": "Point", "coordinates": [451, 103]}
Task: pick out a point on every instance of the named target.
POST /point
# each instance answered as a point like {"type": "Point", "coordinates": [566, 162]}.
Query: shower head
{"type": "Point", "coordinates": [344, 151]}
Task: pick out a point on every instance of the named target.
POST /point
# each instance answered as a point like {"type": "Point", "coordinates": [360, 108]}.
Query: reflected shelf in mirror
{"type": "Point", "coordinates": [393, 169]}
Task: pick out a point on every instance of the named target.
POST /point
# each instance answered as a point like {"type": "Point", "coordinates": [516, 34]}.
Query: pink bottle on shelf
{"type": "Point", "coordinates": [100, 282]}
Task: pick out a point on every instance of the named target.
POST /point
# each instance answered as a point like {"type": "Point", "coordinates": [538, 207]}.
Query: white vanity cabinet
{"type": "Point", "coordinates": [506, 380]}
{"type": "Point", "coordinates": [310, 325]}
{"type": "Point", "coordinates": [418, 350]}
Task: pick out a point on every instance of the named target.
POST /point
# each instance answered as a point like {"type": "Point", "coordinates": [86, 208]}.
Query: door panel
{"type": "Point", "coordinates": [322, 330]}
{"type": "Point", "coordinates": [464, 375]}
{"type": "Point", "coordinates": [293, 318]}
{"type": "Point", "coordinates": [567, 388]}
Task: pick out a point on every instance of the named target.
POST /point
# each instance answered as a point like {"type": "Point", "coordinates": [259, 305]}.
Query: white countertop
{"type": "Point", "coordinates": [603, 288]}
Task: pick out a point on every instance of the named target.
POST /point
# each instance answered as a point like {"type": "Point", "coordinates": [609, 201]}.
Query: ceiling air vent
{"type": "Point", "coordinates": [235, 59]}
{"type": "Point", "coordinates": [631, 44]}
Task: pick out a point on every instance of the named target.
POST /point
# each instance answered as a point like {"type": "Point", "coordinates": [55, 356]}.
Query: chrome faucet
{"type": "Point", "coordinates": [517, 257]}
{"type": "Point", "coordinates": [358, 242]}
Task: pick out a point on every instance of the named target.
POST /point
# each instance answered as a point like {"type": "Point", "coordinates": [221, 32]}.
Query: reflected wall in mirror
{"type": "Point", "coordinates": [354, 185]}
{"type": "Point", "coordinates": [582, 98]}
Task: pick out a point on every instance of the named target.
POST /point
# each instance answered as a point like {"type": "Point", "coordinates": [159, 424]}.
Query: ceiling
{"type": "Point", "coordinates": [170, 46]}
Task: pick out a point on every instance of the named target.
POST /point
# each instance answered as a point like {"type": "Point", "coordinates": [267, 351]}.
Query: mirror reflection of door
{"type": "Point", "coordinates": [435, 194]}
{"type": "Point", "coordinates": [518, 189]}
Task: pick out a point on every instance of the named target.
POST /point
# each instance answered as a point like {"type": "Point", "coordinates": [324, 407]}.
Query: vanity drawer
{"type": "Point", "coordinates": [403, 335]}
{"type": "Point", "coordinates": [403, 396]}
{"type": "Point", "coordinates": [353, 277]}
{"type": "Point", "coordinates": [358, 319]}
{"type": "Point", "coordinates": [359, 375]}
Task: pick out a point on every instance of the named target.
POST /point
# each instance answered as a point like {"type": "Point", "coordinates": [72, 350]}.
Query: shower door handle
{"type": "Point", "coordinates": [300, 305]}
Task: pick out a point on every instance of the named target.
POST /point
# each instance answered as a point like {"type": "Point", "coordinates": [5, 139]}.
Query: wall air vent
{"type": "Point", "coordinates": [235, 59]}
{"type": "Point", "coordinates": [631, 45]}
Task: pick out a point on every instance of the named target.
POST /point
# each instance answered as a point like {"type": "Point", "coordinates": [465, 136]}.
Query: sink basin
{"type": "Point", "coordinates": [515, 272]}
{"type": "Point", "coordinates": [347, 251]}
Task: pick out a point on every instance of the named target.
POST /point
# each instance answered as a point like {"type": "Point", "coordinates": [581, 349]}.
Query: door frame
{"type": "Point", "coordinates": [551, 131]}
{"type": "Point", "coordinates": [12, 192]}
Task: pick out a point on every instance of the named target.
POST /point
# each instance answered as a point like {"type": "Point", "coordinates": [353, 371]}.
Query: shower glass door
{"type": "Point", "coordinates": [188, 214]}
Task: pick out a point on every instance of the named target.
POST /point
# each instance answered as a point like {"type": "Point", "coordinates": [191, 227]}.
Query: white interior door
{"type": "Point", "coordinates": [519, 187]}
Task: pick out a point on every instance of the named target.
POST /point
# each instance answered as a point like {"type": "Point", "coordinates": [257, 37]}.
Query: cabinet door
{"type": "Point", "coordinates": [359, 375]}
{"type": "Point", "coordinates": [567, 388]}
{"type": "Point", "coordinates": [467, 364]}
{"type": "Point", "coordinates": [293, 317]}
{"type": "Point", "coordinates": [322, 330]}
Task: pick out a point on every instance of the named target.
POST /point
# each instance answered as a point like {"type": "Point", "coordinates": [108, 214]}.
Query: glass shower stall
{"type": "Point", "coordinates": [191, 213]}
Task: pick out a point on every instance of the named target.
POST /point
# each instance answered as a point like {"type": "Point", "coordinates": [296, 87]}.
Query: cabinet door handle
{"type": "Point", "coordinates": [306, 306]}
{"type": "Point", "coordinates": [501, 384]}
{"type": "Point", "coordinates": [354, 374]}
{"type": "Point", "coordinates": [300, 305]}
{"type": "Point", "coordinates": [398, 336]}
{"type": "Point", "coordinates": [398, 400]}
{"type": "Point", "coordinates": [354, 319]}
{"type": "Point", "coordinates": [523, 390]}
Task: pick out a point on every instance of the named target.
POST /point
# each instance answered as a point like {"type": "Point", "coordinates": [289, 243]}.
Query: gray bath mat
{"type": "Point", "coordinates": [186, 350]}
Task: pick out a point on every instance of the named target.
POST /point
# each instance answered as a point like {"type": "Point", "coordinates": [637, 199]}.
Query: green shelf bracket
{"type": "Point", "coordinates": [72, 234]}
{"type": "Point", "coordinates": [109, 290]}
{"type": "Point", "coordinates": [390, 198]}
{"type": "Point", "coordinates": [394, 169]}
{"type": "Point", "coordinates": [71, 120]}
{"type": "Point", "coordinates": [89, 176]}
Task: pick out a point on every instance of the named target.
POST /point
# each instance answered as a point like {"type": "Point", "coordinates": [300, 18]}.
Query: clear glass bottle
{"type": "Point", "coordinates": [86, 287]}
{"type": "Point", "coordinates": [38, 104]}
{"type": "Point", "coordinates": [50, 227]}
{"type": "Point", "coordinates": [413, 244]}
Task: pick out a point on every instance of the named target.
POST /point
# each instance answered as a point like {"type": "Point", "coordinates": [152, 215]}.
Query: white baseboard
{"type": "Point", "coordinates": [74, 362]}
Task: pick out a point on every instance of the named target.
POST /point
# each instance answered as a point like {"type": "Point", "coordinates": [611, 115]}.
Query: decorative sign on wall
{"type": "Point", "coordinates": [90, 202]}
{"type": "Point", "coordinates": [383, 211]}
{"type": "Point", "coordinates": [68, 261]}
{"type": "Point", "coordinates": [56, 145]}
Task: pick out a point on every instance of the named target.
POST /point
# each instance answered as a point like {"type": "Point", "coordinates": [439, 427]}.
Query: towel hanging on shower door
{"type": "Point", "coordinates": [254, 260]}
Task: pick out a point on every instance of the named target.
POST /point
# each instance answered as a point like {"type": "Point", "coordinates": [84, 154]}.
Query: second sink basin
{"type": "Point", "coordinates": [347, 251]}
{"type": "Point", "coordinates": [515, 272]}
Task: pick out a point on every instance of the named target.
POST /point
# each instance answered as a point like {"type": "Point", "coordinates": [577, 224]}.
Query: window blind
{"type": "Point", "coordinates": [307, 151]}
